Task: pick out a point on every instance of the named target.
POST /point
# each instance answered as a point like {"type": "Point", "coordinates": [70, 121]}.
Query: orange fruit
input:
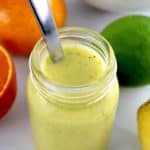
{"type": "Point", "coordinates": [7, 82]}
{"type": "Point", "coordinates": [19, 30]}
{"type": "Point", "coordinates": [59, 11]}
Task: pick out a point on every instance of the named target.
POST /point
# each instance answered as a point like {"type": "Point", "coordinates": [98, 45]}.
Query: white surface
{"type": "Point", "coordinates": [15, 131]}
{"type": "Point", "coordinates": [120, 5]}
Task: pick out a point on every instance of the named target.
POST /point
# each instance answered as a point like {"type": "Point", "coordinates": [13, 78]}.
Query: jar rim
{"type": "Point", "coordinates": [78, 32]}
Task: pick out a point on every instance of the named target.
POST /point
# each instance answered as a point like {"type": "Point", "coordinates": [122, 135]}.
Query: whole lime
{"type": "Point", "coordinates": [130, 39]}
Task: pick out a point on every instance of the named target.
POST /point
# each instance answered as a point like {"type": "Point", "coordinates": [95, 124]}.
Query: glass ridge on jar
{"type": "Point", "coordinates": [67, 117]}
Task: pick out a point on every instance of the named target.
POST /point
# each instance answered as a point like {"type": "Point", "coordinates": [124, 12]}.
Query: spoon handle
{"type": "Point", "coordinates": [45, 19]}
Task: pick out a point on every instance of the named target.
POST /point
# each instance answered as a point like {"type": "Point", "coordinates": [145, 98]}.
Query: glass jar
{"type": "Point", "coordinates": [73, 118]}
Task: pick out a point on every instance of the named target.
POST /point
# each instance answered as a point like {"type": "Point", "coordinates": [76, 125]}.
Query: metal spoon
{"type": "Point", "coordinates": [45, 19]}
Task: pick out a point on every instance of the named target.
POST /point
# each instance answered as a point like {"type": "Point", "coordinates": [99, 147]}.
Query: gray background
{"type": "Point", "coordinates": [15, 131]}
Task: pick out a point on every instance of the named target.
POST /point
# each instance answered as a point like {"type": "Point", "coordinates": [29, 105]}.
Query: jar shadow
{"type": "Point", "coordinates": [123, 140]}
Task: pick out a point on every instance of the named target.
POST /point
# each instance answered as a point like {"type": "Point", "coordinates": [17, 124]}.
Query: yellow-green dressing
{"type": "Point", "coordinates": [80, 66]}
{"type": "Point", "coordinates": [58, 127]}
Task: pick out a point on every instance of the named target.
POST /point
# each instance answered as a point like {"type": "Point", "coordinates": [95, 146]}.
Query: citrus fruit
{"type": "Point", "coordinates": [7, 82]}
{"type": "Point", "coordinates": [144, 125]}
{"type": "Point", "coordinates": [19, 30]}
{"type": "Point", "coordinates": [129, 37]}
{"type": "Point", "coordinates": [59, 11]}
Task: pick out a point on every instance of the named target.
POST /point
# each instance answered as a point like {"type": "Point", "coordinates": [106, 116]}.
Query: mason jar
{"type": "Point", "coordinates": [73, 116]}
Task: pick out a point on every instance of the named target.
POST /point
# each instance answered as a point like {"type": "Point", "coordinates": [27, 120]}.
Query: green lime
{"type": "Point", "coordinates": [130, 39]}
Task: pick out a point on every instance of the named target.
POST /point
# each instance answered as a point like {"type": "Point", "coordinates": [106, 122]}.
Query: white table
{"type": "Point", "coordinates": [15, 131]}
